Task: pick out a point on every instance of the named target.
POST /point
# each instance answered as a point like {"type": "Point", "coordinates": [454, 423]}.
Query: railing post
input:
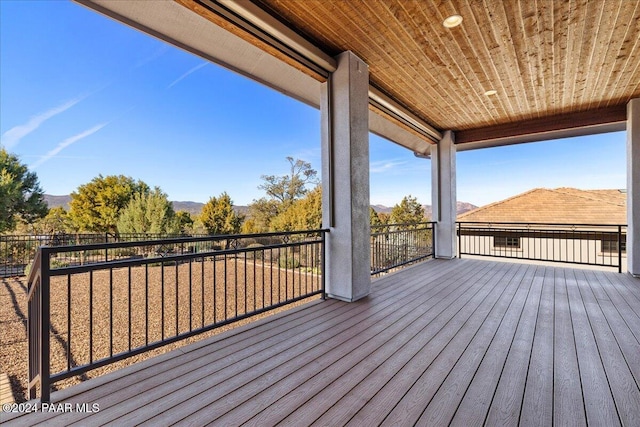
{"type": "Point", "coordinates": [323, 264]}
{"type": "Point", "coordinates": [459, 240]}
{"type": "Point", "coordinates": [45, 322]}
{"type": "Point", "coordinates": [619, 249]}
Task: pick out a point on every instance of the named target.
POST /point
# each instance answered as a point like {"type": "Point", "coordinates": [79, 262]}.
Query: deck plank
{"type": "Point", "coordinates": [568, 404]}
{"type": "Point", "coordinates": [445, 402]}
{"type": "Point", "coordinates": [598, 402]}
{"type": "Point", "coordinates": [364, 336]}
{"type": "Point", "coordinates": [362, 381]}
{"type": "Point", "coordinates": [304, 385]}
{"type": "Point", "coordinates": [537, 400]}
{"type": "Point", "coordinates": [503, 407]}
{"type": "Point", "coordinates": [417, 381]}
{"type": "Point", "coordinates": [461, 342]}
{"type": "Point", "coordinates": [619, 367]}
{"type": "Point", "coordinates": [213, 393]}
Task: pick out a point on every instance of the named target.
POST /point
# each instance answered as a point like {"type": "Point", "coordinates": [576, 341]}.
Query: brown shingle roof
{"type": "Point", "coordinates": [560, 205]}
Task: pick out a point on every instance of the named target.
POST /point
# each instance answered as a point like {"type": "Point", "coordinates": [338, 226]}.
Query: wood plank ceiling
{"type": "Point", "coordinates": [553, 63]}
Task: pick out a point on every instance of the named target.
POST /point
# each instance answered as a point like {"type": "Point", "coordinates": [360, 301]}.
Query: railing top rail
{"type": "Point", "coordinates": [539, 223]}
{"type": "Point", "coordinates": [104, 265]}
{"type": "Point", "coordinates": [404, 224]}
{"type": "Point", "coordinates": [173, 240]}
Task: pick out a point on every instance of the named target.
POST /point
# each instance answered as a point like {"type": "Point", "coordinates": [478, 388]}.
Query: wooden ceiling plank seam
{"type": "Point", "coordinates": [512, 49]}
{"type": "Point", "coordinates": [464, 94]}
{"type": "Point", "coordinates": [605, 44]}
{"type": "Point", "coordinates": [560, 29]}
{"type": "Point", "coordinates": [464, 90]}
{"type": "Point", "coordinates": [566, 88]}
{"type": "Point", "coordinates": [433, 82]}
{"type": "Point", "coordinates": [528, 23]}
{"type": "Point", "coordinates": [376, 83]}
{"type": "Point", "coordinates": [471, 68]}
{"type": "Point", "coordinates": [633, 55]}
{"type": "Point", "coordinates": [429, 86]}
{"type": "Point", "coordinates": [506, 73]}
{"type": "Point", "coordinates": [587, 47]}
{"type": "Point", "coordinates": [502, 98]}
{"type": "Point", "coordinates": [441, 90]}
{"type": "Point", "coordinates": [328, 24]}
{"type": "Point", "coordinates": [493, 104]}
{"type": "Point", "coordinates": [417, 78]}
{"type": "Point", "coordinates": [545, 34]}
{"type": "Point", "coordinates": [573, 53]}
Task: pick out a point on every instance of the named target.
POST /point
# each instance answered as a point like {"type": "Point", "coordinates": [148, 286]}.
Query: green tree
{"type": "Point", "coordinates": [185, 222]}
{"type": "Point", "coordinates": [148, 213]}
{"type": "Point", "coordinates": [261, 213]}
{"type": "Point", "coordinates": [408, 211]}
{"type": "Point", "coordinates": [96, 206]}
{"type": "Point", "coordinates": [21, 197]}
{"type": "Point", "coordinates": [219, 217]}
{"type": "Point", "coordinates": [288, 188]}
{"type": "Point", "coordinates": [374, 219]}
{"type": "Point", "coordinates": [303, 214]}
{"type": "Point", "coordinates": [56, 221]}
{"type": "Point", "coordinates": [282, 192]}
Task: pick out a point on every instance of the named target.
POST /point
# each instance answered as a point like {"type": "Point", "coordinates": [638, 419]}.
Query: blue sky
{"type": "Point", "coordinates": [82, 95]}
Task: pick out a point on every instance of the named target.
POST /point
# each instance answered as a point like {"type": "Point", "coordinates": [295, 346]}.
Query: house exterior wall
{"type": "Point", "coordinates": [555, 250]}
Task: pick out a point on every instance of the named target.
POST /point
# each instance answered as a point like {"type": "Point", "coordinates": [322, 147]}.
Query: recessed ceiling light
{"type": "Point", "coordinates": [491, 92]}
{"type": "Point", "coordinates": [452, 21]}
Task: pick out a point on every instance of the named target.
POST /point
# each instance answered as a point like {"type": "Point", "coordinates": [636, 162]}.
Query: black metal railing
{"type": "Point", "coordinates": [17, 250]}
{"type": "Point", "coordinates": [146, 294]}
{"type": "Point", "coordinates": [396, 245]}
{"type": "Point", "coordinates": [588, 244]}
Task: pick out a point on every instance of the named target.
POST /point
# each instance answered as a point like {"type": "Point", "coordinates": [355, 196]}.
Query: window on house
{"type": "Point", "coordinates": [612, 246]}
{"type": "Point", "coordinates": [506, 242]}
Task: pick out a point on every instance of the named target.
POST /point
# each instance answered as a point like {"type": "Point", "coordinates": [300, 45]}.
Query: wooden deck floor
{"type": "Point", "coordinates": [461, 342]}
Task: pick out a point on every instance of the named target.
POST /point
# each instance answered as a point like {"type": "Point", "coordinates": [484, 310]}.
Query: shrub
{"type": "Point", "coordinates": [258, 253]}
{"type": "Point", "coordinates": [288, 262]}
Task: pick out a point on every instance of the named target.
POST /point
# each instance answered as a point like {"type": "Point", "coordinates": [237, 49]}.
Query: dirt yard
{"type": "Point", "coordinates": [111, 311]}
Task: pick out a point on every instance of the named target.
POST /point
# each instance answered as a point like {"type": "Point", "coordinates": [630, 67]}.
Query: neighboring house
{"type": "Point", "coordinates": [562, 224]}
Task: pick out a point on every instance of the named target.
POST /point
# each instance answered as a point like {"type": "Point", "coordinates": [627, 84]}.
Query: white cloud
{"type": "Point", "coordinates": [185, 75]}
{"type": "Point", "coordinates": [67, 142]}
{"type": "Point", "coordinates": [13, 136]}
{"type": "Point", "coordinates": [385, 165]}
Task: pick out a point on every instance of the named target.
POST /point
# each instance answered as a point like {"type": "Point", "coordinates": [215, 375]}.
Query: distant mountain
{"type": "Point", "coordinates": [194, 208]}
{"type": "Point", "coordinates": [462, 208]}
{"type": "Point", "coordinates": [55, 201]}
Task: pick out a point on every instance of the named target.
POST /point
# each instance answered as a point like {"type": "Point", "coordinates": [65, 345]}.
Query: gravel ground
{"type": "Point", "coordinates": [194, 294]}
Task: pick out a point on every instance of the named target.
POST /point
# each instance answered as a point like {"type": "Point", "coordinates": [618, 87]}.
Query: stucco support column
{"type": "Point", "coordinates": [633, 187]}
{"type": "Point", "coordinates": [345, 178]}
{"type": "Point", "coordinates": [443, 195]}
